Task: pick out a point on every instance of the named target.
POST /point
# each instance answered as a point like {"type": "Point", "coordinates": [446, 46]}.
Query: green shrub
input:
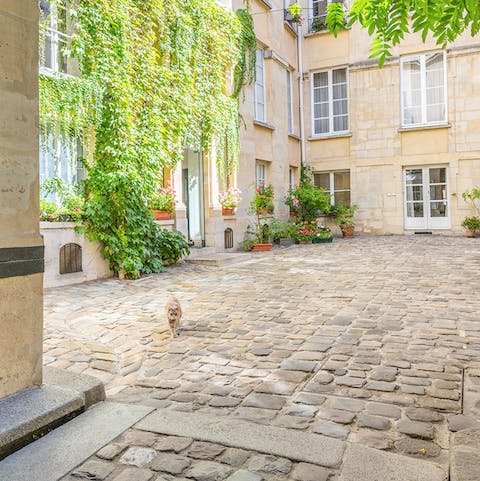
{"type": "Point", "coordinates": [471, 223]}
{"type": "Point", "coordinates": [307, 200]}
{"type": "Point", "coordinates": [164, 247]}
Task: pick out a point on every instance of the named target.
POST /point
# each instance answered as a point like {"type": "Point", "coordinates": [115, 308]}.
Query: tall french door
{"type": "Point", "coordinates": [426, 198]}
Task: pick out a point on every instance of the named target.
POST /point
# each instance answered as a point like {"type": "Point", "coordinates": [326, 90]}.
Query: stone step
{"type": "Point", "coordinates": [219, 259]}
{"type": "Point", "coordinates": [31, 413]}
{"type": "Point", "coordinates": [355, 462]}
{"type": "Point", "coordinates": [465, 455]}
{"type": "Point", "coordinates": [62, 450]}
{"type": "Point", "coordinates": [201, 251]}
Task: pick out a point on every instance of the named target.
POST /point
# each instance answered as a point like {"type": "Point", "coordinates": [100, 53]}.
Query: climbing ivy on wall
{"type": "Point", "coordinates": [156, 70]}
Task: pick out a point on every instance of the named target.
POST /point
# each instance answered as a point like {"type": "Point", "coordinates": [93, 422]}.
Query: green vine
{"type": "Point", "coordinates": [160, 67]}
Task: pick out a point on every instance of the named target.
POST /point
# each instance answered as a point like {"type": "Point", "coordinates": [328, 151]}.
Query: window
{"type": "Point", "coordinates": [290, 102]}
{"type": "Point", "coordinates": [60, 155]}
{"type": "Point", "coordinates": [260, 173]}
{"type": "Point", "coordinates": [318, 14]}
{"type": "Point", "coordinates": [54, 38]}
{"type": "Point", "coordinates": [337, 184]}
{"type": "Point", "coordinates": [424, 93]}
{"type": "Point", "coordinates": [259, 87]}
{"type": "Point", "coordinates": [330, 102]}
{"type": "Point", "coordinates": [291, 177]}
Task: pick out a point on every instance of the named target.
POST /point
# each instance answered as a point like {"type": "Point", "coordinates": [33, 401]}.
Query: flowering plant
{"type": "Point", "coordinates": [164, 199]}
{"type": "Point", "coordinates": [305, 231]}
{"type": "Point", "coordinates": [230, 198]}
{"type": "Point", "coordinates": [323, 233]}
{"type": "Point", "coordinates": [263, 200]}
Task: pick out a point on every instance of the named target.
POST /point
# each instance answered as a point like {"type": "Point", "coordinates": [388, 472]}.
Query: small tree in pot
{"type": "Point", "coordinates": [343, 217]}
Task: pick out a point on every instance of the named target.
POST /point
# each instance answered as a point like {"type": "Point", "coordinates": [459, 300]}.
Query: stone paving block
{"type": "Point", "coordinates": [270, 464]}
{"type": "Point", "coordinates": [418, 447]}
{"type": "Point", "coordinates": [138, 456]}
{"type": "Point", "coordinates": [350, 381]}
{"type": "Point", "coordinates": [373, 422]}
{"type": "Point", "coordinates": [383, 374]}
{"type": "Point", "coordinates": [416, 429]}
{"type": "Point", "coordinates": [366, 464]}
{"type": "Point", "coordinates": [347, 404]}
{"type": "Point", "coordinates": [310, 472]}
{"type": "Point", "coordinates": [110, 451]}
{"type": "Point", "coordinates": [243, 475]}
{"type": "Point", "coordinates": [173, 443]}
{"type": "Point", "coordinates": [337, 416]}
{"type": "Point", "coordinates": [295, 365]}
{"type": "Point", "coordinates": [382, 409]}
{"type": "Point", "coordinates": [209, 471]}
{"type": "Point", "coordinates": [276, 387]}
{"type": "Point", "coordinates": [94, 470]}
{"type": "Point", "coordinates": [265, 401]}
{"type": "Point", "coordinates": [170, 463]}
{"type": "Point", "coordinates": [464, 464]}
{"type": "Point", "coordinates": [309, 398]}
{"type": "Point", "coordinates": [332, 430]}
{"type": "Point", "coordinates": [381, 386]}
{"type": "Point", "coordinates": [201, 450]}
{"type": "Point", "coordinates": [425, 415]}
{"type": "Point", "coordinates": [134, 474]}
{"type": "Point", "coordinates": [234, 457]}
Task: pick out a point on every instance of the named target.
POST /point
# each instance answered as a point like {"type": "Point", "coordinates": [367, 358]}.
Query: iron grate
{"type": "Point", "coordinates": [70, 259]}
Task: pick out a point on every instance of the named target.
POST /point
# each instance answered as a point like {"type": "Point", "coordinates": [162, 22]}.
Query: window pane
{"type": "Point", "coordinates": [414, 176]}
{"type": "Point", "coordinates": [341, 180]}
{"type": "Point", "coordinates": [438, 175]}
{"type": "Point", "coordinates": [320, 110]}
{"type": "Point", "coordinates": [412, 116]}
{"type": "Point", "coordinates": [414, 209]}
{"type": "Point", "coordinates": [320, 79]}
{"type": "Point", "coordinates": [339, 76]}
{"type": "Point", "coordinates": [322, 181]}
{"type": "Point", "coordinates": [342, 198]}
{"type": "Point", "coordinates": [340, 107]}
{"type": "Point", "coordinates": [414, 192]}
{"type": "Point", "coordinates": [340, 123]}
{"type": "Point", "coordinates": [438, 209]}
{"type": "Point", "coordinates": [438, 192]}
{"type": "Point", "coordinates": [340, 91]}
{"type": "Point", "coordinates": [320, 94]}
{"type": "Point", "coordinates": [321, 126]}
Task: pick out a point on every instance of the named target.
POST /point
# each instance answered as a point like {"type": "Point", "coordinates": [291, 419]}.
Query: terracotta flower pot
{"type": "Point", "coordinates": [348, 230]}
{"type": "Point", "coordinates": [262, 211]}
{"type": "Point", "coordinates": [261, 247]}
{"type": "Point", "coordinates": [227, 211]}
{"type": "Point", "coordinates": [470, 233]}
{"type": "Point", "coordinates": [293, 214]}
{"type": "Point", "coordinates": [162, 214]}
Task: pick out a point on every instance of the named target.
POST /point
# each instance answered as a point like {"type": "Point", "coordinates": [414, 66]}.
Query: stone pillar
{"type": "Point", "coordinates": [21, 246]}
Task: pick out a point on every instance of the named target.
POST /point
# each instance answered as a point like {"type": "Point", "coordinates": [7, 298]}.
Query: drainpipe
{"type": "Point", "coordinates": [303, 146]}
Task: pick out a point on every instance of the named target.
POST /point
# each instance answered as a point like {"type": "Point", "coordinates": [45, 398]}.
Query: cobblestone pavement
{"type": "Point", "coordinates": [371, 340]}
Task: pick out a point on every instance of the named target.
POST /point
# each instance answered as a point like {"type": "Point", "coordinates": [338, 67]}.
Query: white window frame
{"type": "Point", "coordinates": [261, 172]}
{"type": "Point", "coordinates": [290, 119]}
{"type": "Point", "coordinates": [332, 189]}
{"type": "Point", "coordinates": [423, 89]}
{"type": "Point", "coordinates": [291, 177]}
{"type": "Point", "coordinates": [255, 103]}
{"type": "Point", "coordinates": [311, 17]}
{"type": "Point", "coordinates": [57, 38]}
{"type": "Point", "coordinates": [331, 132]}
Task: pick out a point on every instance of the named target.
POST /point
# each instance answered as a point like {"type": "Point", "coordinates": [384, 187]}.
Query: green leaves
{"type": "Point", "coordinates": [387, 21]}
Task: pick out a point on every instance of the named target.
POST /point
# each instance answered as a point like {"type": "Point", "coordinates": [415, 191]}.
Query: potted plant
{"type": "Point", "coordinates": [343, 217]}
{"type": "Point", "coordinates": [283, 232]}
{"type": "Point", "coordinates": [229, 200]}
{"type": "Point", "coordinates": [260, 233]}
{"type": "Point", "coordinates": [48, 211]}
{"type": "Point", "coordinates": [68, 203]}
{"type": "Point", "coordinates": [307, 200]}
{"type": "Point", "coordinates": [322, 235]}
{"type": "Point", "coordinates": [472, 225]}
{"type": "Point", "coordinates": [305, 232]}
{"type": "Point", "coordinates": [163, 203]}
{"type": "Point", "coordinates": [262, 202]}
{"type": "Point", "coordinates": [294, 13]}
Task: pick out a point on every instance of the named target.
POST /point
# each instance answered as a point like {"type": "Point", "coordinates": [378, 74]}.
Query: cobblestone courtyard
{"type": "Point", "coordinates": [375, 341]}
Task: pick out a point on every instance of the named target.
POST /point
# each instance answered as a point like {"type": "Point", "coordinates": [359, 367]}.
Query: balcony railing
{"type": "Point", "coordinates": [317, 22]}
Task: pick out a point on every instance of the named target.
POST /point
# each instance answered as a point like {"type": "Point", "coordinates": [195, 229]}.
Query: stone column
{"type": "Point", "coordinates": [21, 246]}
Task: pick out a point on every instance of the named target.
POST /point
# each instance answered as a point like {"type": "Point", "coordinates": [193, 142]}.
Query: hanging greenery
{"type": "Point", "coordinates": [154, 72]}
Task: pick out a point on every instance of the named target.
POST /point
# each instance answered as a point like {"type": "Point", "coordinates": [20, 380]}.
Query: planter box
{"type": "Point", "coordinates": [162, 214]}
{"type": "Point", "coordinates": [261, 247]}
{"type": "Point", "coordinates": [323, 240]}
{"type": "Point", "coordinates": [226, 211]}
{"type": "Point", "coordinates": [286, 242]}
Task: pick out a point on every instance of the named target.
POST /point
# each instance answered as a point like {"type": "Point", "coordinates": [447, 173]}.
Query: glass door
{"type": "Point", "coordinates": [426, 198]}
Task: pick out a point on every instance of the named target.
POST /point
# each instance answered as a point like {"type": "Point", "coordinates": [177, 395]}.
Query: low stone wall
{"type": "Point", "coordinates": [58, 234]}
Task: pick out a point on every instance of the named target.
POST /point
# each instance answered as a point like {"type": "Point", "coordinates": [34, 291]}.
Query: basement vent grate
{"type": "Point", "coordinates": [70, 259]}
{"type": "Point", "coordinates": [228, 238]}
{"type": "Point", "coordinates": [423, 233]}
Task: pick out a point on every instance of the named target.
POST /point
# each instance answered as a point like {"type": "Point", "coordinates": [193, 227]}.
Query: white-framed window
{"type": "Point", "coordinates": [336, 184]}
{"type": "Point", "coordinates": [60, 155]}
{"type": "Point", "coordinates": [54, 38]}
{"type": "Point", "coordinates": [291, 177]}
{"type": "Point", "coordinates": [291, 127]}
{"type": "Point", "coordinates": [318, 14]}
{"type": "Point", "coordinates": [424, 89]}
{"type": "Point", "coordinates": [260, 113]}
{"type": "Point", "coordinates": [261, 173]}
{"type": "Point", "coordinates": [330, 102]}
